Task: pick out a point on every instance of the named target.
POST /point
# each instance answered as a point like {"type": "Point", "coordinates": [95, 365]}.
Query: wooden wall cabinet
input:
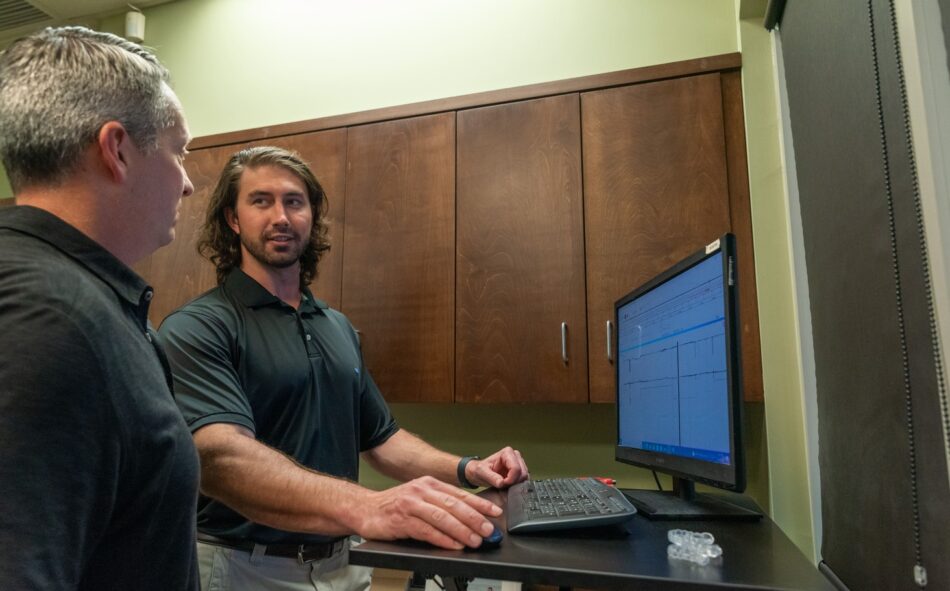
{"type": "Point", "coordinates": [399, 245]}
{"type": "Point", "coordinates": [521, 313]}
{"type": "Point", "coordinates": [655, 190]}
{"type": "Point", "coordinates": [467, 231]}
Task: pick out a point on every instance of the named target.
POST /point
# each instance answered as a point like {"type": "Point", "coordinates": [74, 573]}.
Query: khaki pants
{"type": "Point", "coordinates": [227, 569]}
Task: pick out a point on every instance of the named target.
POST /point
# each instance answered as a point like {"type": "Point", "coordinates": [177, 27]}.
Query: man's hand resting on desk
{"type": "Point", "coordinates": [430, 506]}
{"type": "Point", "coordinates": [429, 510]}
{"type": "Point", "coordinates": [502, 469]}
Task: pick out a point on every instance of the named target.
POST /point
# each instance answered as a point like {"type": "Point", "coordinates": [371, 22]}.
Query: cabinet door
{"type": "Point", "coordinates": [520, 254]}
{"type": "Point", "coordinates": [399, 272]}
{"type": "Point", "coordinates": [178, 273]}
{"type": "Point", "coordinates": [655, 190]}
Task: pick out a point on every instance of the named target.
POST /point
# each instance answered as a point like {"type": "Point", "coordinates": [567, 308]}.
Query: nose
{"type": "Point", "coordinates": [188, 188]}
{"type": "Point", "coordinates": [280, 215]}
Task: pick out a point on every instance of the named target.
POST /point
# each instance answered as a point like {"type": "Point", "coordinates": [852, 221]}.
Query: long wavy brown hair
{"type": "Point", "coordinates": [222, 246]}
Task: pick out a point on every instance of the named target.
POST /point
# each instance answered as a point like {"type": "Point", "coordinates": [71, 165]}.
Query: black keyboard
{"type": "Point", "coordinates": [565, 503]}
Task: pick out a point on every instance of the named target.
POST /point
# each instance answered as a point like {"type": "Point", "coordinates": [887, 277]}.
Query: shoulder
{"type": "Point", "coordinates": [213, 305]}
{"type": "Point", "coordinates": [45, 294]}
{"type": "Point", "coordinates": [29, 267]}
{"type": "Point", "coordinates": [48, 346]}
{"type": "Point", "coordinates": [212, 315]}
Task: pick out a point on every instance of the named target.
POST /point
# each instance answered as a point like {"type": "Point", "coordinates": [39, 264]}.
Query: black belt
{"type": "Point", "coordinates": [304, 553]}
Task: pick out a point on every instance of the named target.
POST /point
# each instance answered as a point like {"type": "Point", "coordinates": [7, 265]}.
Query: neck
{"type": "Point", "coordinates": [283, 283]}
{"type": "Point", "coordinates": [87, 210]}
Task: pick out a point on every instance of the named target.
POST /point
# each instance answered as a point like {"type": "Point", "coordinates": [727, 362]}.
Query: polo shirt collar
{"type": "Point", "coordinates": [253, 295]}
{"type": "Point", "coordinates": [44, 226]}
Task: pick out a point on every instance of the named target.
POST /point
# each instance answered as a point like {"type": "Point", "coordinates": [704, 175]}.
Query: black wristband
{"type": "Point", "coordinates": [460, 471]}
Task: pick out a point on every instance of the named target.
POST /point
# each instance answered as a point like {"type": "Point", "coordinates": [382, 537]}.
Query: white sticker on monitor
{"type": "Point", "coordinates": [712, 246]}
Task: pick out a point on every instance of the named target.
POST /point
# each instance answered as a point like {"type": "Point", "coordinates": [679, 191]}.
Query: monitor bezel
{"type": "Point", "coordinates": [725, 476]}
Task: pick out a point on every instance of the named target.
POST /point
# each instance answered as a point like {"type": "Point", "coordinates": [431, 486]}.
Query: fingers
{"type": "Point", "coordinates": [501, 469]}
{"type": "Point", "coordinates": [432, 511]}
{"type": "Point", "coordinates": [517, 469]}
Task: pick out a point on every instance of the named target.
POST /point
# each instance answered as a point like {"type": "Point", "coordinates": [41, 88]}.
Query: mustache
{"type": "Point", "coordinates": [270, 235]}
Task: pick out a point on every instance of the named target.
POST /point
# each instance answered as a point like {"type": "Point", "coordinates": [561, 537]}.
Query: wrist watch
{"type": "Point", "coordinates": [460, 472]}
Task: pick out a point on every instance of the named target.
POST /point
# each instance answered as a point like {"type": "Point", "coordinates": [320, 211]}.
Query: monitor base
{"type": "Point", "coordinates": [667, 506]}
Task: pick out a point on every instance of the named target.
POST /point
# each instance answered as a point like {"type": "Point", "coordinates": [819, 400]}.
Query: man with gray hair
{"type": "Point", "coordinates": [98, 473]}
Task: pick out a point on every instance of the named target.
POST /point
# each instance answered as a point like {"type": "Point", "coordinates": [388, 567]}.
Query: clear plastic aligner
{"type": "Point", "coordinates": [696, 547]}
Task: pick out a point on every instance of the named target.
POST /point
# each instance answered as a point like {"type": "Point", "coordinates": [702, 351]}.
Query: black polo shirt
{"type": "Point", "coordinates": [295, 378]}
{"type": "Point", "coordinates": [98, 472]}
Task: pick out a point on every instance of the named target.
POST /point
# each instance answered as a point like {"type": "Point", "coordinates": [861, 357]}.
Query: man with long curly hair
{"type": "Point", "coordinates": [272, 384]}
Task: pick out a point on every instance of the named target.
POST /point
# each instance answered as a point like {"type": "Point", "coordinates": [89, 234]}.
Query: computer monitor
{"type": "Point", "coordinates": [679, 389]}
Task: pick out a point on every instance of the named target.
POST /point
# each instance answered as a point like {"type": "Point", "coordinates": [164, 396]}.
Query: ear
{"type": "Point", "coordinates": [231, 218]}
{"type": "Point", "coordinates": [113, 144]}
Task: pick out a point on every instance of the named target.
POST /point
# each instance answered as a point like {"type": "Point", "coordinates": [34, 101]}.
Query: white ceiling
{"type": "Point", "coordinates": [19, 17]}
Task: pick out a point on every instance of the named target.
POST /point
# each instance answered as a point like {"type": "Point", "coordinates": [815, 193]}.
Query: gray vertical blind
{"type": "Point", "coordinates": [885, 509]}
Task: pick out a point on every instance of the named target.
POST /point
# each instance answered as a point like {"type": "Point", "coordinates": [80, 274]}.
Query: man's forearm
{"type": "Point", "coordinates": [405, 456]}
{"type": "Point", "coordinates": [270, 488]}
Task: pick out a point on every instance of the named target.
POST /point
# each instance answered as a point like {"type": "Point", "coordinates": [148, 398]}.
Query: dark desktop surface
{"type": "Point", "coordinates": [756, 555]}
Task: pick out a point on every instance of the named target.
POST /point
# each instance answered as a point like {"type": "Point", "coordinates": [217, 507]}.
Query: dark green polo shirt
{"type": "Point", "coordinates": [293, 377]}
{"type": "Point", "coordinates": [98, 472]}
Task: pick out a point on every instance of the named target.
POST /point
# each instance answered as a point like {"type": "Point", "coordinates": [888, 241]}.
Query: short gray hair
{"type": "Point", "coordinates": [59, 86]}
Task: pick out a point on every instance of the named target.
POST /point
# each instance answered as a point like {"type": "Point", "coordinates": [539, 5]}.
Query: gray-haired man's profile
{"type": "Point", "coordinates": [98, 473]}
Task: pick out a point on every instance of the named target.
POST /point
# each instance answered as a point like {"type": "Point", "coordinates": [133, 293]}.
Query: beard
{"type": "Point", "coordinates": [278, 255]}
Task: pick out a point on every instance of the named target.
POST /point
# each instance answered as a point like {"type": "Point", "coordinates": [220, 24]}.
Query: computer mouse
{"type": "Point", "coordinates": [493, 540]}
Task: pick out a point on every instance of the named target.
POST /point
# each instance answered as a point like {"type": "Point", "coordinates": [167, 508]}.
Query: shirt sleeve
{"type": "Point", "coordinates": [208, 389]}
{"type": "Point", "coordinates": [60, 447]}
{"type": "Point", "coordinates": [376, 421]}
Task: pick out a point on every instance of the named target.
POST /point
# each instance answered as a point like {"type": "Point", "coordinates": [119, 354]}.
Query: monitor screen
{"type": "Point", "coordinates": [678, 384]}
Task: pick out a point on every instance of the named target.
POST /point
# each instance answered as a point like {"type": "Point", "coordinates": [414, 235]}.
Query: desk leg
{"type": "Point", "coordinates": [454, 584]}
{"type": "Point", "coordinates": [418, 582]}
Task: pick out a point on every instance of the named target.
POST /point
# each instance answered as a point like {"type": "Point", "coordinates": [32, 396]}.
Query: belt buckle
{"type": "Point", "coordinates": [300, 559]}
{"type": "Point", "coordinates": [327, 551]}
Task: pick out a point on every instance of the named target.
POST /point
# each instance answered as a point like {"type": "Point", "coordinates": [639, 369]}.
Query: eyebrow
{"type": "Point", "coordinates": [261, 192]}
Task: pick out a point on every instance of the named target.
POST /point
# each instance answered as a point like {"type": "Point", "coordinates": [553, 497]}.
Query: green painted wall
{"type": "Point", "coordinates": [239, 64]}
{"type": "Point", "coordinates": [789, 493]}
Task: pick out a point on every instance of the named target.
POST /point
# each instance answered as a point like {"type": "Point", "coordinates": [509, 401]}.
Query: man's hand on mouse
{"type": "Point", "coordinates": [502, 469]}
{"type": "Point", "coordinates": [429, 510]}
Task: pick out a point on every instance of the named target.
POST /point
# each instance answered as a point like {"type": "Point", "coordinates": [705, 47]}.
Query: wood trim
{"type": "Point", "coordinates": [740, 213]}
{"type": "Point", "coordinates": [715, 63]}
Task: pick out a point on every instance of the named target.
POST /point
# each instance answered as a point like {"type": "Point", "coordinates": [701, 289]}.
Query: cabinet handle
{"type": "Point", "coordinates": [610, 338]}
{"type": "Point", "coordinates": [564, 341]}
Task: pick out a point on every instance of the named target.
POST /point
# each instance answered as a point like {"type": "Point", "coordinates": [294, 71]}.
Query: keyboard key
{"type": "Point", "coordinates": [565, 503]}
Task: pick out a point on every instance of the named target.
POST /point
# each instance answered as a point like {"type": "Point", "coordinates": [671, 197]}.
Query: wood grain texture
{"type": "Point", "coordinates": [399, 265]}
{"type": "Point", "coordinates": [740, 208]}
{"type": "Point", "coordinates": [655, 188]}
{"type": "Point", "coordinates": [520, 253]}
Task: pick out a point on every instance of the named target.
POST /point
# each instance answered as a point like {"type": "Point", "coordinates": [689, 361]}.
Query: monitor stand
{"type": "Point", "coordinates": [683, 503]}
